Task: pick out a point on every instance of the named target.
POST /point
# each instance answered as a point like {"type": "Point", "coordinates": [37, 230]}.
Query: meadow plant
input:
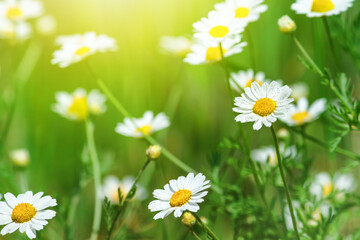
{"type": "Point", "coordinates": [268, 158]}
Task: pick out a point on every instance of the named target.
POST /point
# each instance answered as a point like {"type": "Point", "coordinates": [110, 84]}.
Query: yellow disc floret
{"type": "Point", "coordinates": [180, 198]}
{"type": "Point", "coordinates": [213, 53]}
{"type": "Point", "coordinates": [79, 108]}
{"type": "Point", "coordinates": [14, 13]}
{"type": "Point", "coordinates": [242, 12]}
{"type": "Point", "coordinates": [219, 31]}
{"type": "Point", "coordinates": [300, 117]}
{"type": "Point", "coordinates": [322, 6]}
{"type": "Point", "coordinates": [146, 129]}
{"type": "Point", "coordinates": [23, 212]}
{"type": "Point", "coordinates": [264, 107]}
{"type": "Point", "coordinates": [82, 51]}
{"type": "Point", "coordinates": [327, 189]}
{"type": "Point", "coordinates": [248, 84]}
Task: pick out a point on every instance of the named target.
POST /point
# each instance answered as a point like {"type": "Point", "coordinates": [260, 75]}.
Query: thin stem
{"type": "Point", "coordinates": [194, 234]}
{"type": "Point", "coordinates": [205, 227]}
{"type": "Point", "coordinates": [339, 150]}
{"type": "Point", "coordinates": [227, 73]}
{"type": "Point", "coordinates": [127, 198]}
{"type": "Point", "coordinates": [251, 49]}
{"type": "Point", "coordinates": [258, 183]}
{"type": "Point", "coordinates": [282, 172]}
{"type": "Point", "coordinates": [97, 178]}
{"type": "Point", "coordinates": [328, 33]}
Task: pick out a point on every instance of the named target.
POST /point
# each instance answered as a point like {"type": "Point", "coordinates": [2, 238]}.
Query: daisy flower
{"type": "Point", "coordinates": [299, 90]}
{"type": "Point", "coordinates": [207, 52]}
{"type": "Point", "coordinates": [138, 127]}
{"type": "Point", "coordinates": [20, 10]}
{"type": "Point", "coordinates": [78, 105]}
{"type": "Point", "coordinates": [301, 113]}
{"type": "Point", "coordinates": [75, 48]}
{"type": "Point", "coordinates": [245, 78]}
{"type": "Point", "coordinates": [217, 27]}
{"type": "Point", "coordinates": [20, 157]}
{"type": "Point", "coordinates": [324, 185]}
{"type": "Point", "coordinates": [243, 10]}
{"type": "Point", "coordinates": [267, 154]}
{"type": "Point", "coordinates": [182, 194]}
{"type": "Point", "coordinates": [112, 184]}
{"type": "Point", "coordinates": [263, 104]}
{"type": "Point", "coordinates": [26, 212]}
{"type": "Point", "coordinates": [319, 8]}
{"type": "Point", "coordinates": [176, 46]}
{"type": "Point", "coordinates": [14, 31]}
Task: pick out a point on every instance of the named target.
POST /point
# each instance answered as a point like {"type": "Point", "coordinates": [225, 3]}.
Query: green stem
{"type": "Point", "coordinates": [194, 234]}
{"type": "Point", "coordinates": [205, 227]}
{"type": "Point", "coordinates": [251, 49]}
{"type": "Point", "coordinates": [258, 183]}
{"type": "Point", "coordinates": [339, 150]}
{"type": "Point", "coordinates": [227, 73]}
{"type": "Point", "coordinates": [97, 178]}
{"type": "Point", "coordinates": [282, 172]}
{"type": "Point", "coordinates": [328, 33]}
{"type": "Point", "coordinates": [329, 81]}
{"type": "Point", "coordinates": [127, 198]}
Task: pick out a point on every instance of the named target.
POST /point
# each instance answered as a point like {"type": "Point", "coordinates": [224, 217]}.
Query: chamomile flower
{"type": "Point", "coordinates": [138, 127]}
{"type": "Point", "coordinates": [263, 104]}
{"type": "Point", "coordinates": [299, 90]}
{"type": "Point", "coordinates": [112, 184]}
{"type": "Point", "coordinates": [324, 185]}
{"type": "Point", "coordinates": [243, 10]}
{"type": "Point", "coordinates": [26, 212]}
{"type": "Point", "coordinates": [245, 78]}
{"type": "Point", "coordinates": [267, 154]}
{"type": "Point", "coordinates": [217, 27]}
{"type": "Point", "coordinates": [20, 157]}
{"type": "Point", "coordinates": [20, 10]}
{"type": "Point", "coordinates": [301, 113]}
{"type": "Point", "coordinates": [319, 8]}
{"type": "Point", "coordinates": [78, 105]}
{"type": "Point", "coordinates": [176, 46]}
{"type": "Point", "coordinates": [14, 30]}
{"type": "Point", "coordinates": [75, 48]}
{"type": "Point", "coordinates": [207, 52]}
{"type": "Point", "coordinates": [182, 194]}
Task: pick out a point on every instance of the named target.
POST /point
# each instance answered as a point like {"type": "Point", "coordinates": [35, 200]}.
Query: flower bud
{"type": "Point", "coordinates": [282, 133]}
{"type": "Point", "coordinates": [153, 152]}
{"type": "Point", "coordinates": [20, 157]}
{"type": "Point", "coordinates": [286, 24]}
{"type": "Point", "coordinates": [188, 219]}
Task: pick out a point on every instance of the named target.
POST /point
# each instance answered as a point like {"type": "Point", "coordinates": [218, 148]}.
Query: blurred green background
{"type": "Point", "coordinates": [194, 97]}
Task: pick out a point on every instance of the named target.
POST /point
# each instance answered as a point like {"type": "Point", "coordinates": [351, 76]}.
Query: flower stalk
{"type": "Point", "coordinates": [205, 227]}
{"type": "Point", "coordinates": [283, 177]}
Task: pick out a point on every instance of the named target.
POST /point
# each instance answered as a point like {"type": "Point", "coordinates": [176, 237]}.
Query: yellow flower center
{"type": "Point", "coordinates": [300, 117]}
{"type": "Point", "coordinates": [114, 197]}
{"type": "Point", "coordinates": [79, 108]}
{"type": "Point", "coordinates": [23, 212]}
{"type": "Point", "coordinates": [322, 6]}
{"type": "Point", "coordinates": [264, 107]}
{"type": "Point", "coordinates": [316, 215]}
{"type": "Point", "coordinates": [82, 51]}
{"type": "Point", "coordinates": [248, 84]}
{"type": "Point", "coordinates": [180, 198]}
{"type": "Point", "coordinates": [14, 13]}
{"type": "Point", "coordinates": [214, 53]}
{"type": "Point", "coordinates": [242, 12]}
{"type": "Point", "coordinates": [272, 160]}
{"type": "Point", "coordinates": [219, 31]}
{"type": "Point", "coordinates": [327, 189]}
{"type": "Point", "coordinates": [146, 130]}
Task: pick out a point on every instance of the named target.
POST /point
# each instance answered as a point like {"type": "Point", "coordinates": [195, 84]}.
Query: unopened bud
{"type": "Point", "coordinates": [282, 133]}
{"type": "Point", "coordinates": [153, 152]}
{"type": "Point", "coordinates": [20, 157]}
{"type": "Point", "coordinates": [188, 219]}
{"type": "Point", "coordinates": [286, 24]}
